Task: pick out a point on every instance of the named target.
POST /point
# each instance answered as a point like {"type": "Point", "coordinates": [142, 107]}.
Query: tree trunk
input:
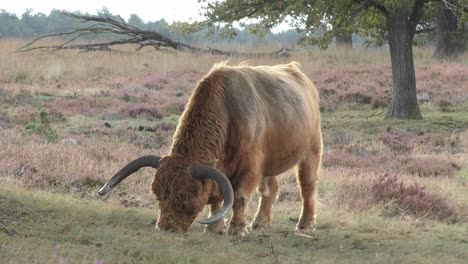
{"type": "Point", "coordinates": [400, 39]}
{"type": "Point", "coordinates": [344, 41]}
{"type": "Point", "coordinates": [450, 42]}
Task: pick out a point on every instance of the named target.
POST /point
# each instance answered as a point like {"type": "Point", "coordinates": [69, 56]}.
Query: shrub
{"type": "Point", "coordinates": [143, 110]}
{"type": "Point", "coordinates": [396, 142]}
{"type": "Point", "coordinates": [155, 82]}
{"type": "Point", "coordinates": [4, 121]}
{"type": "Point", "coordinates": [344, 159]}
{"type": "Point", "coordinates": [359, 97]}
{"type": "Point", "coordinates": [430, 166]}
{"type": "Point", "coordinates": [42, 126]}
{"type": "Point", "coordinates": [5, 95]}
{"type": "Point", "coordinates": [354, 194]}
{"type": "Point", "coordinates": [379, 102]}
{"type": "Point", "coordinates": [445, 105]}
{"type": "Point", "coordinates": [56, 115]}
{"type": "Point", "coordinates": [23, 114]}
{"type": "Point", "coordinates": [166, 126]}
{"type": "Point", "coordinates": [411, 199]}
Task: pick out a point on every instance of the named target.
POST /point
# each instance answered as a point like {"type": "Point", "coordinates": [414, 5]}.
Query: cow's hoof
{"type": "Point", "coordinates": [308, 230]}
{"type": "Point", "coordinates": [306, 224]}
{"type": "Point", "coordinates": [259, 225]}
{"type": "Point", "coordinates": [239, 232]}
{"type": "Point", "coordinates": [218, 228]}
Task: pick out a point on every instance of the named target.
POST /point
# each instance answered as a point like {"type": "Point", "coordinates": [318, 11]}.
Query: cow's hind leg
{"type": "Point", "coordinates": [307, 174]}
{"type": "Point", "coordinates": [268, 191]}
{"type": "Point", "coordinates": [218, 227]}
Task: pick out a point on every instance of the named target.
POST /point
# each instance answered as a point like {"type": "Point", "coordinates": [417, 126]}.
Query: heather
{"type": "Point", "coordinates": [389, 189]}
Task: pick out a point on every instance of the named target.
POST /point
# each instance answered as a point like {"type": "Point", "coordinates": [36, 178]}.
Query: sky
{"type": "Point", "coordinates": [170, 10]}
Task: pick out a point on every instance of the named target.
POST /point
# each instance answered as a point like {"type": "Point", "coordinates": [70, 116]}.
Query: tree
{"type": "Point", "coordinates": [137, 22]}
{"type": "Point", "coordinates": [344, 41]}
{"type": "Point", "coordinates": [57, 22]}
{"type": "Point", "coordinates": [450, 34]}
{"type": "Point", "coordinates": [386, 21]}
{"type": "Point", "coordinates": [33, 24]}
{"type": "Point", "coordinates": [10, 25]}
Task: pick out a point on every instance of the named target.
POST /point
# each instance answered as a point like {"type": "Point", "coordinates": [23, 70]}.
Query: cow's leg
{"type": "Point", "coordinates": [268, 191]}
{"type": "Point", "coordinates": [243, 190]}
{"type": "Point", "coordinates": [307, 174]}
{"type": "Point", "coordinates": [218, 227]}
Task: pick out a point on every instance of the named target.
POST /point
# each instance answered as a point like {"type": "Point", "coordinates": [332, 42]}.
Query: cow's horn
{"type": "Point", "coordinates": [224, 185]}
{"type": "Point", "coordinates": [133, 166]}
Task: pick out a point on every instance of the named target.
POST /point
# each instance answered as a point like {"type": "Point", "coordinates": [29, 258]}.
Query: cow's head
{"type": "Point", "coordinates": [181, 190]}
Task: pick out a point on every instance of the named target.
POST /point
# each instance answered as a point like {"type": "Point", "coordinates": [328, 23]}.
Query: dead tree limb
{"type": "Point", "coordinates": [128, 35]}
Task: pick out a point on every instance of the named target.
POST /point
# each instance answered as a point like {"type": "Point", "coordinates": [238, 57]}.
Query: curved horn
{"type": "Point", "coordinates": [133, 166]}
{"type": "Point", "coordinates": [224, 185]}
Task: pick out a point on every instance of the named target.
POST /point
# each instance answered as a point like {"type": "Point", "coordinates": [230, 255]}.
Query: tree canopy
{"type": "Point", "coordinates": [383, 21]}
{"type": "Point", "coordinates": [321, 20]}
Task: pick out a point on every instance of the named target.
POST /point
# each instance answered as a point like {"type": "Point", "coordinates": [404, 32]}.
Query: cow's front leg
{"type": "Point", "coordinates": [268, 190]}
{"type": "Point", "coordinates": [218, 227]}
{"type": "Point", "coordinates": [242, 193]}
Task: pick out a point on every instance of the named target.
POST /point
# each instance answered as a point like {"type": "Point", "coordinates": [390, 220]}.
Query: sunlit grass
{"type": "Point", "coordinates": [51, 227]}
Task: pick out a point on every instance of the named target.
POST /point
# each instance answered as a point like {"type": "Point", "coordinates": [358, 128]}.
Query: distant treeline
{"type": "Point", "coordinates": [32, 24]}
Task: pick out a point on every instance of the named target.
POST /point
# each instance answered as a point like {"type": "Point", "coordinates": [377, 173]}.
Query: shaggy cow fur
{"type": "Point", "coordinates": [252, 123]}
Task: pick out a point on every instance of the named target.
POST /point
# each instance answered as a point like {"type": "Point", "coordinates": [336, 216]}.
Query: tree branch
{"type": "Point", "coordinates": [456, 10]}
{"type": "Point", "coordinates": [416, 15]}
{"type": "Point", "coordinates": [130, 35]}
{"type": "Point", "coordinates": [380, 7]}
{"type": "Point", "coordinates": [424, 30]}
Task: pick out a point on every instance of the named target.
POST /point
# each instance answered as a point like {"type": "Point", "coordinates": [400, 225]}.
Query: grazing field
{"type": "Point", "coordinates": [390, 190]}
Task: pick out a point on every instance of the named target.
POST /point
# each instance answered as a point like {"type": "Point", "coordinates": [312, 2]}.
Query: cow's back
{"type": "Point", "coordinates": [272, 110]}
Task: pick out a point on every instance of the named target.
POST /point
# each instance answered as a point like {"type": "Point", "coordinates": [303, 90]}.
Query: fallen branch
{"type": "Point", "coordinates": [129, 35]}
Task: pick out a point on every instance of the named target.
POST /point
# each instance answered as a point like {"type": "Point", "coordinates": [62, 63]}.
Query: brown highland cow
{"type": "Point", "coordinates": [242, 126]}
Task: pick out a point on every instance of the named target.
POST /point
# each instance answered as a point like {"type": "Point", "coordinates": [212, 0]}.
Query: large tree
{"type": "Point", "coordinates": [451, 35]}
{"type": "Point", "coordinates": [386, 21]}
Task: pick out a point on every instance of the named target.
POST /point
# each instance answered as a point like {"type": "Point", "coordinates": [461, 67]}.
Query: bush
{"type": "Point", "coordinates": [379, 102]}
{"type": "Point", "coordinates": [397, 142]}
{"type": "Point", "coordinates": [23, 114]}
{"type": "Point", "coordinates": [445, 105]}
{"type": "Point", "coordinates": [42, 126]}
{"type": "Point", "coordinates": [166, 126]}
{"type": "Point", "coordinates": [412, 199]}
{"type": "Point", "coordinates": [143, 110]}
{"type": "Point", "coordinates": [431, 166]}
{"type": "Point", "coordinates": [155, 82]}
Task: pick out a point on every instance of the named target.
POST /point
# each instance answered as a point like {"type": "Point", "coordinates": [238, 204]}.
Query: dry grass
{"type": "Point", "coordinates": [397, 196]}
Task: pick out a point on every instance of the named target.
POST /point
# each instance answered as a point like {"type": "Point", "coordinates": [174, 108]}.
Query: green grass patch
{"type": "Point", "coordinates": [35, 100]}
{"type": "Point", "coordinates": [463, 173]}
{"type": "Point", "coordinates": [372, 121]}
{"type": "Point", "coordinates": [43, 127]}
{"type": "Point", "coordinates": [36, 226]}
{"type": "Point", "coordinates": [85, 124]}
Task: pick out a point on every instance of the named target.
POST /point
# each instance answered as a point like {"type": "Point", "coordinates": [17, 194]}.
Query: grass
{"type": "Point", "coordinates": [463, 174]}
{"type": "Point", "coordinates": [79, 124]}
{"type": "Point", "coordinates": [372, 121]}
{"type": "Point", "coordinates": [41, 227]}
{"type": "Point", "coordinates": [106, 109]}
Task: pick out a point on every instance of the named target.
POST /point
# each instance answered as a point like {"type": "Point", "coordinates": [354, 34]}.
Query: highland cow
{"type": "Point", "coordinates": [242, 126]}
